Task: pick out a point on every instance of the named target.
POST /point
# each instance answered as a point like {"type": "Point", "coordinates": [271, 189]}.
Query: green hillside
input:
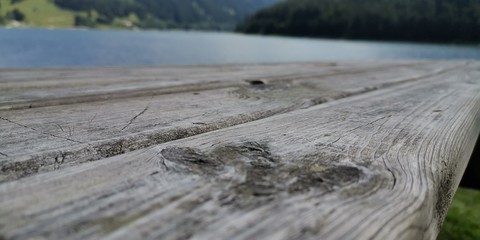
{"type": "Point", "coordinates": [198, 14]}
{"type": "Point", "coordinates": [38, 13]}
{"type": "Point", "coordinates": [410, 20]}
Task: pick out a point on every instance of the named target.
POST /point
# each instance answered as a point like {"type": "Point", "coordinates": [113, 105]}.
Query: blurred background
{"type": "Point", "coordinates": [70, 33]}
{"type": "Point", "coordinates": [93, 33]}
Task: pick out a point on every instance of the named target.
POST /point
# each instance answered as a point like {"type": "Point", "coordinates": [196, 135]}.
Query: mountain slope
{"type": "Point", "coordinates": [37, 13]}
{"type": "Point", "coordinates": [206, 14]}
{"type": "Point", "coordinates": [176, 13]}
{"type": "Point", "coordinates": [418, 20]}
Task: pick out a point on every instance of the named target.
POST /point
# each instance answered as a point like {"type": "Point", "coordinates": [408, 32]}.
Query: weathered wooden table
{"type": "Point", "coordinates": [348, 150]}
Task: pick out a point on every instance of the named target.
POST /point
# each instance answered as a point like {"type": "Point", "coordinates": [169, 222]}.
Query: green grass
{"type": "Point", "coordinates": [44, 13]}
{"type": "Point", "coordinates": [463, 219]}
{"type": "Point", "coordinates": [40, 13]}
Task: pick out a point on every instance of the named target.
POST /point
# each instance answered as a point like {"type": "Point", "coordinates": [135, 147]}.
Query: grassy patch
{"type": "Point", "coordinates": [40, 13]}
{"type": "Point", "coordinates": [44, 13]}
{"type": "Point", "coordinates": [463, 219]}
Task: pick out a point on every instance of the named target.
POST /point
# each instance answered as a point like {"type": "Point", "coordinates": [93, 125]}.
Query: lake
{"type": "Point", "coordinates": [75, 48]}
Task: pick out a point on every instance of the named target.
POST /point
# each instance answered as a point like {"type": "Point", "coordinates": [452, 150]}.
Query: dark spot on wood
{"type": "Point", "coordinates": [306, 181]}
{"type": "Point", "coordinates": [259, 181]}
{"type": "Point", "coordinates": [342, 175]}
{"type": "Point", "coordinates": [112, 148]}
{"type": "Point", "coordinates": [258, 175]}
{"type": "Point", "coordinates": [445, 193]}
{"type": "Point", "coordinates": [19, 169]}
{"type": "Point", "coordinates": [196, 93]}
{"type": "Point", "coordinates": [193, 159]}
{"type": "Point", "coordinates": [181, 133]}
{"type": "Point", "coordinates": [320, 100]}
{"type": "Point", "coordinates": [437, 110]}
{"type": "Point", "coordinates": [325, 177]}
{"type": "Point", "coordinates": [59, 161]}
{"type": "Point", "coordinates": [256, 82]}
{"type": "Point", "coordinates": [257, 155]}
{"type": "Point", "coordinates": [186, 154]}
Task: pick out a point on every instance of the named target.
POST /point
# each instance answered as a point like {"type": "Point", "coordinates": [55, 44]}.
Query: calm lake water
{"type": "Point", "coordinates": [71, 48]}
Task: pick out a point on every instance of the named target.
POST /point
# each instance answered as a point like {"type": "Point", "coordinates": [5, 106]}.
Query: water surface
{"type": "Point", "coordinates": [78, 48]}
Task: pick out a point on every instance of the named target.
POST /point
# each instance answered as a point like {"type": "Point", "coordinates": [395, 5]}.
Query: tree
{"type": "Point", "coordinates": [83, 21]}
{"type": "Point", "coordinates": [409, 20]}
{"type": "Point", "coordinates": [16, 15]}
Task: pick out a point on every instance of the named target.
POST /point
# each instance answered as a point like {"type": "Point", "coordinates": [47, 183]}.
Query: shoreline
{"type": "Point", "coordinates": [115, 29]}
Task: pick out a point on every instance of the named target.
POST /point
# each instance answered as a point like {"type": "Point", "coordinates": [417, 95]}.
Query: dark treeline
{"type": "Point", "coordinates": [410, 20]}
{"type": "Point", "coordinates": [168, 13]}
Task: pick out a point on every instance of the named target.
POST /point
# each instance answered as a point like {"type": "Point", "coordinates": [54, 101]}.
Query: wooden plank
{"type": "Point", "coordinates": [22, 89]}
{"type": "Point", "coordinates": [380, 165]}
{"type": "Point", "coordinates": [49, 138]}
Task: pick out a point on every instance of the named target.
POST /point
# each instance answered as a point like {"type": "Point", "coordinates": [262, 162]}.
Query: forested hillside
{"type": "Point", "coordinates": [203, 14]}
{"type": "Point", "coordinates": [411, 20]}
{"type": "Point", "coordinates": [170, 13]}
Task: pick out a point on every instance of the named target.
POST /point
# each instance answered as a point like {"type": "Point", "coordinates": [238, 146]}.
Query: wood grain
{"type": "Point", "coordinates": [383, 164]}
{"type": "Point", "coordinates": [48, 138]}
{"type": "Point", "coordinates": [21, 89]}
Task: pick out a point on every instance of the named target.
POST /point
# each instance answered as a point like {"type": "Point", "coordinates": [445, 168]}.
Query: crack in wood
{"type": "Point", "coordinates": [369, 123]}
{"type": "Point", "coordinates": [61, 128]}
{"type": "Point", "coordinates": [136, 116]}
{"type": "Point", "coordinates": [41, 132]}
{"type": "Point", "coordinates": [392, 173]}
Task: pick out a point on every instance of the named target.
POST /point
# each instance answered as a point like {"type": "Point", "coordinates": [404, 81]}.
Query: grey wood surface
{"type": "Point", "coordinates": [280, 151]}
{"type": "Point", "coordinates": [42, 139]}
